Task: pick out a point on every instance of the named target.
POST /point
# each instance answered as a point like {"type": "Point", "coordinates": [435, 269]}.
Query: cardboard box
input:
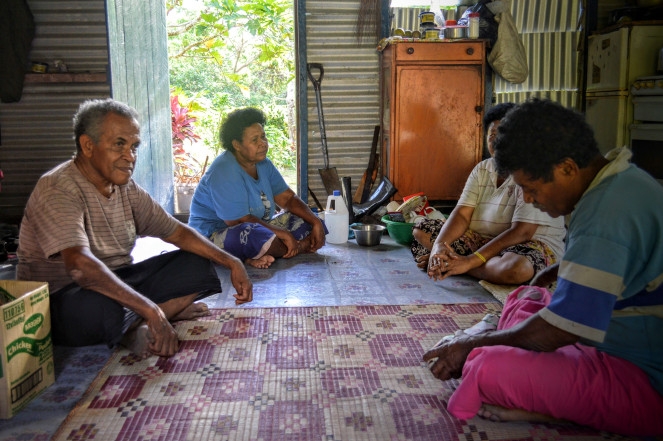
{"type": "Point", "coordinates": [26, 363]}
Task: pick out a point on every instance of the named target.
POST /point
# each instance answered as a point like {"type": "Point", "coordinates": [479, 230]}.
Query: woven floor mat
{"type": "Point", "coordinates": [315, 373]}
{"type": "Point", "coordinates": [500, 292]}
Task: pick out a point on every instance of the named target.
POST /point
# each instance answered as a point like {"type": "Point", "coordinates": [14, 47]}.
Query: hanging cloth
{"type": "Point", "coordinates": [17, 29]}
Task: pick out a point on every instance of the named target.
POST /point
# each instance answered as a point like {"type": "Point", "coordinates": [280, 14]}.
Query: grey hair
{"type": "Point", "coordinates": [90, 117]}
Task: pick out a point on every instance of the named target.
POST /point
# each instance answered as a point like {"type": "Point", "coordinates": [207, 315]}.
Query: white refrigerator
{"type": "Point", "coordinates": [615, 59]}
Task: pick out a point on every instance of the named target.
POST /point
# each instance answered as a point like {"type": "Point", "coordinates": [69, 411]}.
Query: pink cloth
{"type": "Point", "coordinates": [576, 383]}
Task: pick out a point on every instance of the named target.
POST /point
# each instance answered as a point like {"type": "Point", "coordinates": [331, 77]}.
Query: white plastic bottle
{"type": "Point", "coordinates": [337, 218]}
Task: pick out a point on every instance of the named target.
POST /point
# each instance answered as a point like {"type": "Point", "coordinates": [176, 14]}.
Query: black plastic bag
{"type": "Point", "coordinates": [487, 24]}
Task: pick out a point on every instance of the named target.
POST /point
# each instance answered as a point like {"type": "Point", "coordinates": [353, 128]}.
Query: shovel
{"type": "Point", "coordinates": [329, 175]}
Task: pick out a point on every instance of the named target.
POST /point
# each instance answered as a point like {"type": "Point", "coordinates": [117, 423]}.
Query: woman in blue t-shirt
{"type": "Point", "coordinates": [236, 202]}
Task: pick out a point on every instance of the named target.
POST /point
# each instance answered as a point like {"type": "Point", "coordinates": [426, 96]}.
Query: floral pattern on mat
{"type": "Point", "coordinates": [318, 373]}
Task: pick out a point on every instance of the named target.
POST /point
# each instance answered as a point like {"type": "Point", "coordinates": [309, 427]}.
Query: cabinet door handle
{"type": "Point", "coordinates": [478, 109]}
{"type": "Point", "coordinates": [470, 50]}
{"type": "Point", "coordinates": [410, 50]}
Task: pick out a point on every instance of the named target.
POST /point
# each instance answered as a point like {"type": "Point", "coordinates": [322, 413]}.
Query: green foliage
{"type": "Point", "coordinates": [188, 169]}
{"type": "Point", "coordinates": [282, 151]}
{"type": "Point", "coordinates": [227, 54]}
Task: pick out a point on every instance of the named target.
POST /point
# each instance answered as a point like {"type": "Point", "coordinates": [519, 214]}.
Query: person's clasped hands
{"type": "Point", "coordinates": [443, 262]}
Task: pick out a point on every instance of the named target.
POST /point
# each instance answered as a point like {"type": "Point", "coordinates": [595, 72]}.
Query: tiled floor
{"type": "Point", "coordinates": [346, 274]}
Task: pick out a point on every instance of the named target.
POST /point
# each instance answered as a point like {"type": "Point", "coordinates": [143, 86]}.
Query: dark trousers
{"type": "Point", "coordinates": [82, 317]}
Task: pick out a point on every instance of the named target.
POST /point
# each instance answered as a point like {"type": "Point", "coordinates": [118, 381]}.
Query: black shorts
{"type": "Point", "coordinates": [82, 317]}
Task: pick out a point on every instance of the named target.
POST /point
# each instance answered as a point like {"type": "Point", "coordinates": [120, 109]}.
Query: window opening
{"type": "Point", "coordinates": [223, 56]}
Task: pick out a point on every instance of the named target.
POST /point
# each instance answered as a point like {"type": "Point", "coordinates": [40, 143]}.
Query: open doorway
{"type": "Point", "coordinates": [223, 56]}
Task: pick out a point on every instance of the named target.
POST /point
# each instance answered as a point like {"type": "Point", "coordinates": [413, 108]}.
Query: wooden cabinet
{"type": "Point", "coordinates": [432, 110]}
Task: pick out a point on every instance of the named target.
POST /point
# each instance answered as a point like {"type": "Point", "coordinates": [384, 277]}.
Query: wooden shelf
{"type": "Point", "coordinates": [68, 77]}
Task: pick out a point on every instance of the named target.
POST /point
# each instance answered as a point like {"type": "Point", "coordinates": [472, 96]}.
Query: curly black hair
{"type": "Point", "coordinates": [233, 126]}
{"type": "Point", "coordinates": [496, 113]}
{"type": "Point", "coordinates": [539, 134]}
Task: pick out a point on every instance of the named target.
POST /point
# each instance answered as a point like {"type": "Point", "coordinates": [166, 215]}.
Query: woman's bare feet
{"type": "Point", "coordinates": [499, 413]}
{"type": "Point", "coordinates": [261, 262]}
{"type": "Point", "coordinates": [194, 310]}
{"type": "Point", "coordinates": [138, 340]}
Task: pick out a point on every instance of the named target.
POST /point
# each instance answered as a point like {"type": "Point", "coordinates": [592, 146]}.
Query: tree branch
{"type": "Point", "coordinates": [181, 28]}
{"type": "Point", "coordinates": [192, 45]}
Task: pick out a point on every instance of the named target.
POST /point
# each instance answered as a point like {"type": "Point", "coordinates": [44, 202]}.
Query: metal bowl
{"type": "Point", "coordinates": [368, 235]}
{"type": "Point", "coordinates": [455, 32]}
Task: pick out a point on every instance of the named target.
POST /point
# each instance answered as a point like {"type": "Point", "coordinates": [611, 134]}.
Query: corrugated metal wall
{"type": "Point", "coordinates": [349, 91]}
{"type": "Point", "coordinates": [548, 29]}
{"type": "Point", "coordinates": [405, 18]}
{"type": "Point", "coordinates": [36, 131]}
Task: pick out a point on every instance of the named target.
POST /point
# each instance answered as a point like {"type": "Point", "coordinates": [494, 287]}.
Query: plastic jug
{"type": "Point", "coordinates": [337, 218]}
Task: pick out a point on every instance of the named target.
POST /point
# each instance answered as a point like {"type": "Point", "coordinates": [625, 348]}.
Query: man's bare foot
{"type": "Point", "coordinates": [499, 413]}
{"type": "Point", "coordinates": [304, 245]}
{"type": "Point", "coordinates": [422, 261]}
{"type": "Point", "coordinates": [261, 262]}
{"type": "Point", "coordinates": [138, 340]}
{"type": "Point", "coordinates": [194, 310]}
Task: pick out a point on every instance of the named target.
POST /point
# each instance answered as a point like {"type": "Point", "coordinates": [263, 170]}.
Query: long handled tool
{"type": "Point", "coordinates": [364, 187]}
{"type": "Point", "coordinates": [328, 174]}
{"type": "Point", "coordinates": [315, 199]}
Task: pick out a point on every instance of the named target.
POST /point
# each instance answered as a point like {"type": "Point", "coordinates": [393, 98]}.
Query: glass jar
{"type": "Point", "coordinates": [473, 31]}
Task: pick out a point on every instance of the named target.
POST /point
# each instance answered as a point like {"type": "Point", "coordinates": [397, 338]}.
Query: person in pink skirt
{"type": "Point", "coordinates": [591, 352]}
